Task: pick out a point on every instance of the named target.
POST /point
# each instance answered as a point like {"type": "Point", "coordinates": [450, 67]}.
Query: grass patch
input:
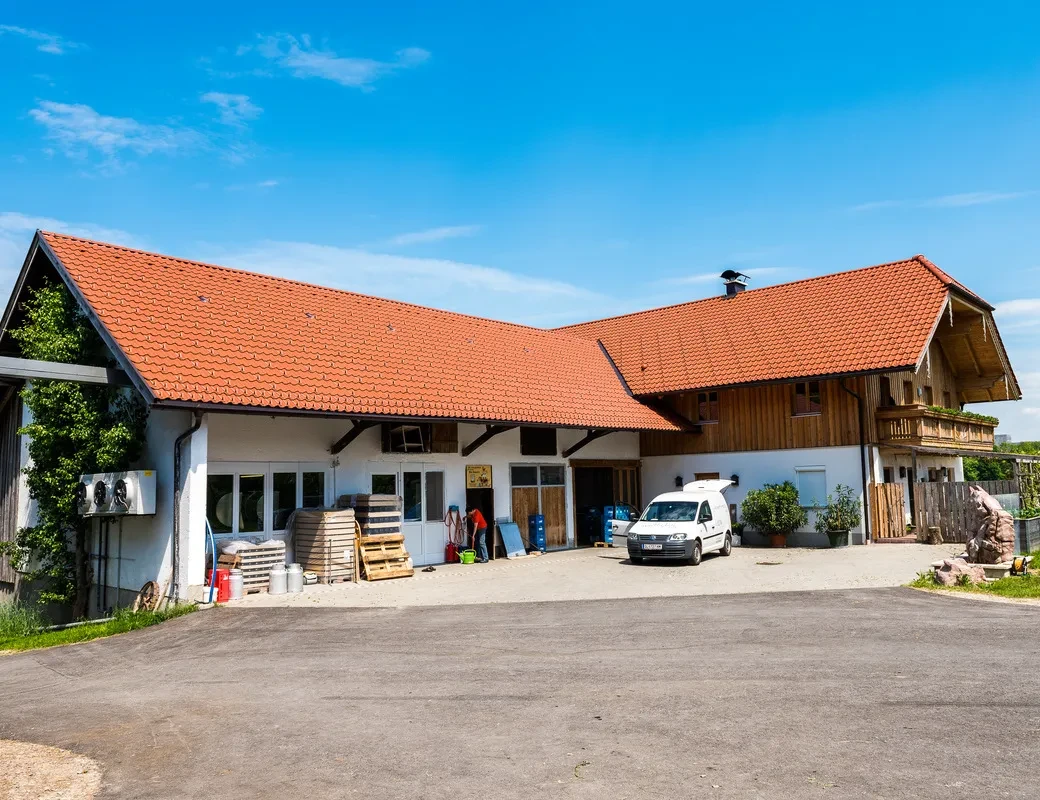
{"type": "Point", "coordinates": [21, 628]}
{"type": "Point", "coordinates": [1016, 587]}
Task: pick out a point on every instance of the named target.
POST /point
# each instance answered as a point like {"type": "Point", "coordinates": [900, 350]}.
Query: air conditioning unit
{"type": "Point", "coordinates": [116, 493]}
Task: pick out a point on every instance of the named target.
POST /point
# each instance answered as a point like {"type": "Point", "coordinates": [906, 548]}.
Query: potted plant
{"type": "Point", "coordinates": [775, 511]}
{"type": "Point", "coordinates": [841, 514]}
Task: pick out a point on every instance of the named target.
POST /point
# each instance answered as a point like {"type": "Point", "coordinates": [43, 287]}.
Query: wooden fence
{"type": "Point", "coordinates": [887, 510]}
{"type": "Point", "coordinates": [948, 506]}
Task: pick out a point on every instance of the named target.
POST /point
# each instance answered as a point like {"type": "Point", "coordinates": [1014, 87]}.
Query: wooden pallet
{"type": "Point", "coordinates": [324, 543]}
{"type": "Point", "coordinates": [255, 564]}
{"type": "Point", "coordinates": [383, 556]}
{"type": "Point", "coordinates": [377, 513]}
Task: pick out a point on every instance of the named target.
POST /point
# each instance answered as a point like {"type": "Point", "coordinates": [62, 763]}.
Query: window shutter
{"type": "Point", "coordinates": [444, 437]}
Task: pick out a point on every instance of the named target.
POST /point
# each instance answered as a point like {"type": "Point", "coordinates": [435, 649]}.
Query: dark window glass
{"type": "Point", "coordinates": [434, 496]}
{"type": "Point", "coordinates": [284, 501]}
{"type": "Point", "coordinates": [384, 484]}
{"type": "Point", "coordinates": [807, 398]}
{"type": "Point", "coordinates": [928, 400]}
{"type": "Point", "coordinates": [671, 511]}
{"type": "Point", "coordinates": [313, 489]}
{"type": "Point", "coordinates": [250, 503]}
{"type": "Point", "coordinates": [908, 393]}
{"type": "Point", "coordinates": [705, 514]}
{"type": "Point", "coordinates": [707, 406]}
{"type": "Point", "coordinates": [411, 489]}
{"type": "Point", "coordinates": [538, 441]}
{"type": "Point", "coordinates": [886, 393]}
{"type": "Point", "coordinates": [552, 476]}
{"type": "Point", "coordinates": [524, 476]}
{"type": "Point", "coordinates": [220, 500]}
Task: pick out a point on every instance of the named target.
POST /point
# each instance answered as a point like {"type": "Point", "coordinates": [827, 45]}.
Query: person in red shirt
{"type": "Point", "coordinates": [479, 524]}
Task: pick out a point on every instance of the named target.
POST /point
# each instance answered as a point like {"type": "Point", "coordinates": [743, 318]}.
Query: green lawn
{"type": "Point", "coordinates": [1018, 587]}
{"type": "Point", "coordinates": [22, 628]}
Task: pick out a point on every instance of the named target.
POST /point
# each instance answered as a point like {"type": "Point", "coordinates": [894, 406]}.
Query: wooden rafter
{"type": "Point", "coordinates": [973, 354]}
{"type": "Point", "coordinates": [590, 437]}
{"type": "Point", "coordinates": [490, 432]}
{"type": "Point", "coordinates": [360, 426]}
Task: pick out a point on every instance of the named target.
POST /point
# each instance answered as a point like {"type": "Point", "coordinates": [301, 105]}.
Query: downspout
{"type": "Point", "coordinates": [862, 462]}
{"type": "Point", "coordinates": [175, 584]}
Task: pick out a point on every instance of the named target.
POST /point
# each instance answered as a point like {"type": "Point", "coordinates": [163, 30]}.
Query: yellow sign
{"type": "Point", "coordinates": [478, 476]}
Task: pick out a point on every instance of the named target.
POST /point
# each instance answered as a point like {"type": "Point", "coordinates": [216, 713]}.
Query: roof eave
{"type": "Point", "coordinates": [748, 384]}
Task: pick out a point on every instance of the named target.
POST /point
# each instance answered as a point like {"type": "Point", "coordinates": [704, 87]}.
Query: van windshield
{"type": "Point", "coordinates": [671, 511]}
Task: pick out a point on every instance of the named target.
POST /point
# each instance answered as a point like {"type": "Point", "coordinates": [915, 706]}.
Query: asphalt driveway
{"type": "Point", "coordinates": [873, 693]}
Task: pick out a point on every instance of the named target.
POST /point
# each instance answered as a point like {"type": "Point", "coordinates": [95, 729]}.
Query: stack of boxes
{"type": "Point", "coordinates": [536, 531]}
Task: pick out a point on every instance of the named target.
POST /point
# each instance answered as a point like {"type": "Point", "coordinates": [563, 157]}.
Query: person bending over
{"type": "Point", "coordinates": [479, 524]}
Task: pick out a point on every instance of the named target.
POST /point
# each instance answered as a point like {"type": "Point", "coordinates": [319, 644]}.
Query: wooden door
{"type": "Point", "coordinates": [887, 510]}
{"type": "Point", "coordinates": [554, 508]}
{"type": "Point", "coordinates": [525, 503]}
{"type": "Point", "coordinates": [626, 487]}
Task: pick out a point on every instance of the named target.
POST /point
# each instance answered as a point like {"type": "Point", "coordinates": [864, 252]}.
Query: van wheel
{"type": "Point", "coordinates": [695, 557]}
{"type": "Point", "coordinates": [727, 547]}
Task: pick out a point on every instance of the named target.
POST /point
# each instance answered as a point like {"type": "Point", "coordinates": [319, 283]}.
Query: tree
{"type": "Point", "coordinates": [75, 429]}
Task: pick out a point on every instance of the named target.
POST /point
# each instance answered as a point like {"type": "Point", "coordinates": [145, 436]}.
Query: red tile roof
{"type": "Point", "coordinates": [876, 318]}
{"type": "Point", "coordinates": [204, 334]}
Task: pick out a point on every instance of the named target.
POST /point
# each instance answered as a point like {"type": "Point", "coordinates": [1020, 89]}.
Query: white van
{"type": "Point", "coordinates": [684, 525]}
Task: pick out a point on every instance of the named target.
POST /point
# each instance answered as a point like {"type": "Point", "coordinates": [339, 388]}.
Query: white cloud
{"type": "Point", "coordinates": [234, 109]}
{"type": "Point", "coordinates": [434, 235]}
{"type": "Point", "coordinates": [16, 232]}
{"type": "Point", "coordinates": [1021, 419]}
{"type": "Point", "coordinates": [239, 187]}
{"type": "Point", "coordinates": [441, 283]}
{"type": "Point", "coordinates": [1018, 308]}
{"type": "Point", "coordinates": [79, 129]}
{"type": "Point", "coordinates": [46, 42]}
{"type": "Point", "coordinates": [304, 60]}
{"type": "Point", "coordinates": [962, 200]}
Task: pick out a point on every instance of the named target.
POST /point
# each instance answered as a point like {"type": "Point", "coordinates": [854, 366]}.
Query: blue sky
{"type": "Point", "coordinates": [538, 163]}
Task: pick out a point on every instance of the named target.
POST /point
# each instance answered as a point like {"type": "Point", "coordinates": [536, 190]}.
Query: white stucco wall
{"type": "Point", "coordinates": [894, 459]}
{"type": "Point", "coordinates": [755, 470]}
{"type": "Point", "coordinates": [267, 439]}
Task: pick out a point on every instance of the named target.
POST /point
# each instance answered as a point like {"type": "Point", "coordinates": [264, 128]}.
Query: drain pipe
{"type": "Point", "coordinates": [862, 462]}
{"type": "Point", "coordinates": [175, 584]}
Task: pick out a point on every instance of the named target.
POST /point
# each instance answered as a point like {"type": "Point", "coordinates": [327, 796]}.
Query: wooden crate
{"type": "Point", "coordinates": [383, 556]}
{"type": "Point", "coordinates": [324, 543]}
{"type": "Point", "coordinates": [255, 563]}
{"type": "Point", "coordinates": [377, 513]}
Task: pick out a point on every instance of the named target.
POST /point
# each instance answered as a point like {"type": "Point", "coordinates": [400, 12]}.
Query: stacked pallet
{"type": "Point", "coordinates": [255, 563]}
{"type": "Point", "coordinates": [377, 514]}
{"type": "Point", "coordinates": [324, 541]}
{"type": "Point", "coordinates": [383, 556]}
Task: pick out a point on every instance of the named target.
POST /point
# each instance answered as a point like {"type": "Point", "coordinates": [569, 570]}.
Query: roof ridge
{"type": "Point", "coordinates": [760, 289]}
{"type": "Point", "coordinates": [294, 281]}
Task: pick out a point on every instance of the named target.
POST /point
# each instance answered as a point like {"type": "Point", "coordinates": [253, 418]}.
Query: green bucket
{"type": "Point", "coordinates": [469, 556]}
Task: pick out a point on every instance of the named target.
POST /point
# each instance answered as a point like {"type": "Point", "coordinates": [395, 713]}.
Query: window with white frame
{"type": "Point", "coordinates": [812, 486]}
{"type": "Point", "coordinates": [256, 499]}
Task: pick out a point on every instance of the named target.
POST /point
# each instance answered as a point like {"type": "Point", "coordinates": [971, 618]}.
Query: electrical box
{"type": "Point", "coordinates": [115, 494]}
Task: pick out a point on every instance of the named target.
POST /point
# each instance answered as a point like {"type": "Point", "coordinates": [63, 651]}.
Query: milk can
{"type": "Point", "coordinates": [276, 584]}
{"type": "Point", "coordinates": [237, 587]}
{"type": "Point", "coordinates": [294, 578]}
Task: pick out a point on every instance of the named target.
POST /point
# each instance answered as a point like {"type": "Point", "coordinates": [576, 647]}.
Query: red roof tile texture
{"type": "Point", "coordinates": [204, 334]}
{"type": "Point", "coordinates": [876, 318]}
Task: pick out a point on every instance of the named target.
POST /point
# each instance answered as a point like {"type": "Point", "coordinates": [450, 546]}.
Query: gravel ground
{"type": "Point", "coordinates": [37, 772]}
{"type": "Point", "coordinates": [599, 574]}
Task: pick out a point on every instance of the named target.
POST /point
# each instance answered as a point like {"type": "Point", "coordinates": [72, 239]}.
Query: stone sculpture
{"type": "Point", "coordinates": [994, 542]}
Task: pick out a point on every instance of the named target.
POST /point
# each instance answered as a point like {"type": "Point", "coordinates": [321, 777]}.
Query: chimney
{"type": "Point", "coordinates": [736, 282]}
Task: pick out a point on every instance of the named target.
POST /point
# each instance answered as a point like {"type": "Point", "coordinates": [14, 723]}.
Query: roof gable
{"type": "Point", "coordinates": [202, 334]}
{"type": "Point", "coordinates": [874, 319]}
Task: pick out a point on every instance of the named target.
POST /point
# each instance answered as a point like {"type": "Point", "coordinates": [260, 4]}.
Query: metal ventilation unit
{"type": "Point", "coordinates": [115, 494]}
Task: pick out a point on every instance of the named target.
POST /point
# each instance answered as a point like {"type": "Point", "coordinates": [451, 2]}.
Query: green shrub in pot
{"type": "Point", "coordinates": [842, 513]}
{"type": "Point", "coordinates": [775, 511]}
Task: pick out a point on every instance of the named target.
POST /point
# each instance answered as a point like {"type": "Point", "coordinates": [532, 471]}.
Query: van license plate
{"type": "Point", "coordinates": [653, 547]}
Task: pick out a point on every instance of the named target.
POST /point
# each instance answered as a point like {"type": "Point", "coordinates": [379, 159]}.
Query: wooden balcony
{"type": "Point", "coordinates": [919, 426]}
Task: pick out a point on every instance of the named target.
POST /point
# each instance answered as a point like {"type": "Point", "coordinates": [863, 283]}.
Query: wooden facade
{"type": "Point", "coordinates": [761, 418]}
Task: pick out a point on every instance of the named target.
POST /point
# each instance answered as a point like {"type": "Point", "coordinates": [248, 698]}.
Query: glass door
{"type": "Point", "coordinates": [421, 489]}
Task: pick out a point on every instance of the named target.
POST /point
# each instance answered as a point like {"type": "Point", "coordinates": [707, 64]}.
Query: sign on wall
{"type": "Point", "coordinates": [478, 476]}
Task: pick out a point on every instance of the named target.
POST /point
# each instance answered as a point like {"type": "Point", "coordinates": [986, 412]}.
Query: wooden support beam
{"type": "Point", "coordinates": [490, 432]}
{"type": "Point", "coordinates": [590, 437]}
{"type": "Point", "coordinates": [973, 354]}
{"type": "Point", "coordinates": [28, 369]}
{"type": "Point", "coordinates": [980, 382]}
{"type": "Point", "coordinates": [360, 426]}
